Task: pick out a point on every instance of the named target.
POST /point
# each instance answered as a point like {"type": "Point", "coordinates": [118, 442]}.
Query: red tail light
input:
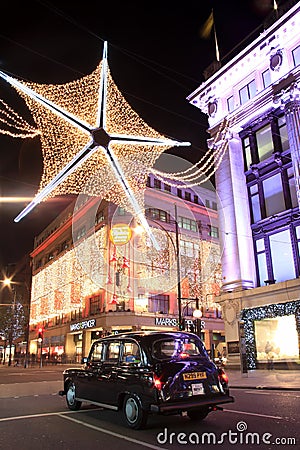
{"type": "Point", "coordinates": [157, 383]}
{"type": "Point", "coordinates": [222, 376]}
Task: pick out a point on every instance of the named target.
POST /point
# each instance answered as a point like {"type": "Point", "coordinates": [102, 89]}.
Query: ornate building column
{"type": "Point", "coordinates": [238, 267]}
{"type": "Point", "coordinates": [290, 102]}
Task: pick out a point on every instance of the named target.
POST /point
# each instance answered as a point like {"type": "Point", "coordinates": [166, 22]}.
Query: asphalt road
{"type": "Point", "coordinates": [36, 418]}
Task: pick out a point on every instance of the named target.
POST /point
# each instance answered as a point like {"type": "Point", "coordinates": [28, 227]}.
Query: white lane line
{"type": "Point", "coordinates": [254, 414]}
{"type": "Point", "coordinates": [31, 416]}
{"type": "Point", "coordinates": [112, 433]}
{"type": "Point", "coordinates": [281, 394]}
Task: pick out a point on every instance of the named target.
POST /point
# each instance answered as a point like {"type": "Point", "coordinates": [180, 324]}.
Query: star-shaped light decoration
{"type": "Point", "coordinates": [88, 128]}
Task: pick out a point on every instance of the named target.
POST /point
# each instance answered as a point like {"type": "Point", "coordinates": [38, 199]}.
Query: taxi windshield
{"type": "Point", "coordinates": [167, 349]}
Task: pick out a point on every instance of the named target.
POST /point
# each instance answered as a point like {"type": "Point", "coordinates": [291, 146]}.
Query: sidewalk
{"type": "Point", "coordinates": [264, 379]}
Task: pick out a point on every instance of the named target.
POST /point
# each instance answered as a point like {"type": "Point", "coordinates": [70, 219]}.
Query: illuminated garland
{"type": "Point", "coordinates": [265, 312]}
{"type": "Point", "coordinates": [12, 121]}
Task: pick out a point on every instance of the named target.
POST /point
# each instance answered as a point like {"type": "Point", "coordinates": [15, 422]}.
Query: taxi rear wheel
{"type": "Point", "coordinates": [135, 416]}
{"type": "Point", "coordinates": [198, 414]}
{"type": "Point", "coordinates": [72, 403]}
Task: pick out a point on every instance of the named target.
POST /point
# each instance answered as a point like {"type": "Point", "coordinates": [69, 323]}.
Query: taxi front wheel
{"type": "Point", "coordinates": [135, 416]}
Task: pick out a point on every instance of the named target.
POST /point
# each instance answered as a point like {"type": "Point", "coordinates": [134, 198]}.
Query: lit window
{"type": "Point", "coordinates": [264, 142]}
{"type": "Point", "coordinates": [292, 185]}
{"type": "Point", "coordinates": [230, 104]}
{"type": "Point", "coordinates": [254, 197]}
{"type": "Point", "coordinates": [261, 261]}
{"type": "Point", "coordinates": [283, 134]}
{"type": "Point", "coordinates": [213, 231]}
{"type": "Point", "coordinates": [157, 184]}
{"type": "Point", "coordinates": [247, 92]}
{"type": "Point", "coordinates": [274, 199]}
{"type": "Point", "coordinates": [266, 76]}
{"type": "Point", "coordinates": [296, 56]}
{"type": "Point", "coordinates": [282, 255]}
{"type": "Point", "coordinates": [187, 224]}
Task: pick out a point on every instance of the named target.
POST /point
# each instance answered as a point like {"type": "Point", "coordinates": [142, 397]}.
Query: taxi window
{"type": "Point", "coordinates": [131, 353]}
{"type": "Point", "coordinates": [177, 348]}
{"type": "Point", "coordinates": [97, 353]}
{"type": "Point", "coordinates": [112, 352]}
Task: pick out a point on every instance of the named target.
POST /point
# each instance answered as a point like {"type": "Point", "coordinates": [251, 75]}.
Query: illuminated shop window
{"type": "Point", "coordinates": [282, 256]}
{"type": "Point", "coordinates": [276, 339]}
{"type": "Point", "coordinates": [247, 92]}
{"type": "Point", "coordinates": [296, 56]}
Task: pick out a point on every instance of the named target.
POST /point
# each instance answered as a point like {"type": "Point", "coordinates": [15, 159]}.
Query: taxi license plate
{"type": "Point", "coordinates": [194, 376]}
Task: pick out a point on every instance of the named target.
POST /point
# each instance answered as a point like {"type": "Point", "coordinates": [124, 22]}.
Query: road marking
{"type": "Point", "coordinates": [31, 416]}
{"type": "Point", "coordinates": [112, 433]}
{"type": "Point", "coordinates": [273, 393]}
{"type": "Point", "coordinates": [254, 414]}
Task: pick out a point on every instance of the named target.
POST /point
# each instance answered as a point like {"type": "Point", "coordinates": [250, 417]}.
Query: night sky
{"type": "Point", "coordinates": [156, 57]}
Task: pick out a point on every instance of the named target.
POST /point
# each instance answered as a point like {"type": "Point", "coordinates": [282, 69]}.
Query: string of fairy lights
{"type": "Point", "coordinates": [62, 286]}
{"type": "Point", "coordinates": [13, 124]}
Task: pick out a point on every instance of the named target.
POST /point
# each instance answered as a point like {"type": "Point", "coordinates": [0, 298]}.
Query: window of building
{"type": "Point", "coordinates": [121, 211]}
{"type": "Point", "coordinates": [298, 239]}
{"type": "Point", "coordinates": [157, 184]}
{"type": "Point", "coordinates": [80, 233]}
{"type": "Point", "coordinates": [255, 204]}
{"type": "Point", "coordinates": [282, 256]}
{"type": "Point", "coordinates": [230, 104]}
{"type": "Point", "coordinates": [179, 193]}
{"type": "Point", "coordinates": [158, 214]}
{"type": "Point", "coordinates": [196, 199]}
{"type": "Point", "coordinates": [273, 194]}
{"type": "Point", "coordinates": [213, 231]}
{"type": "Point", "coordinates": [292, 186]}
{"type": "Point", "coordinates": [264, 140]}
{"type": "Point", "coordinates": [188, 248]}
{"type": "Point", "coordinates": [167, 188]}
{"type": "Point", "coordinates": [214, 206]}
{"type": "Point", "coordinates": [283, 134]}
{"type": "Point", "coordinates": [187, 224]}
{"type": "Point", "coordinates": [99, 217]}
{"type": "Point", "coordinates": [187, 196]}
{"type": "Point", "coordinates": [266, 76]}
{"type": "Point", "coordinates": [247, 152]}
{"type": "Point", "coordinates": [159, 303]}
{"type": "Point", "coordinates": [247, 92]}
{"type": "Point", "coordinates": [95, 304]}
{"type": "Point", "coordinates": [207, 203]}
{"type": "Point", "coordinates": [296, 56]}
{"type": "Point", "coordinates": [261, 261]}
{"type": "Point", "coordinates": [148, 184]}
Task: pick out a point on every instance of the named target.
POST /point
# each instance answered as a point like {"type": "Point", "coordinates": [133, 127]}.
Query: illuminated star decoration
{"type": "Point", "coordinates": [88, 128]}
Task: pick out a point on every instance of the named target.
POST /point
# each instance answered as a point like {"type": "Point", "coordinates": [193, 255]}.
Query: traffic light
{"type": "Point", "coordinates": [182, 325]}
{"type": "Point", "coordinates": [40, 334]}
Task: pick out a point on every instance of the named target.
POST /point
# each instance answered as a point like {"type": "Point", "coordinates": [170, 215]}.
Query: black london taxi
{"type": "Point", "coordinates": [142, 373]}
